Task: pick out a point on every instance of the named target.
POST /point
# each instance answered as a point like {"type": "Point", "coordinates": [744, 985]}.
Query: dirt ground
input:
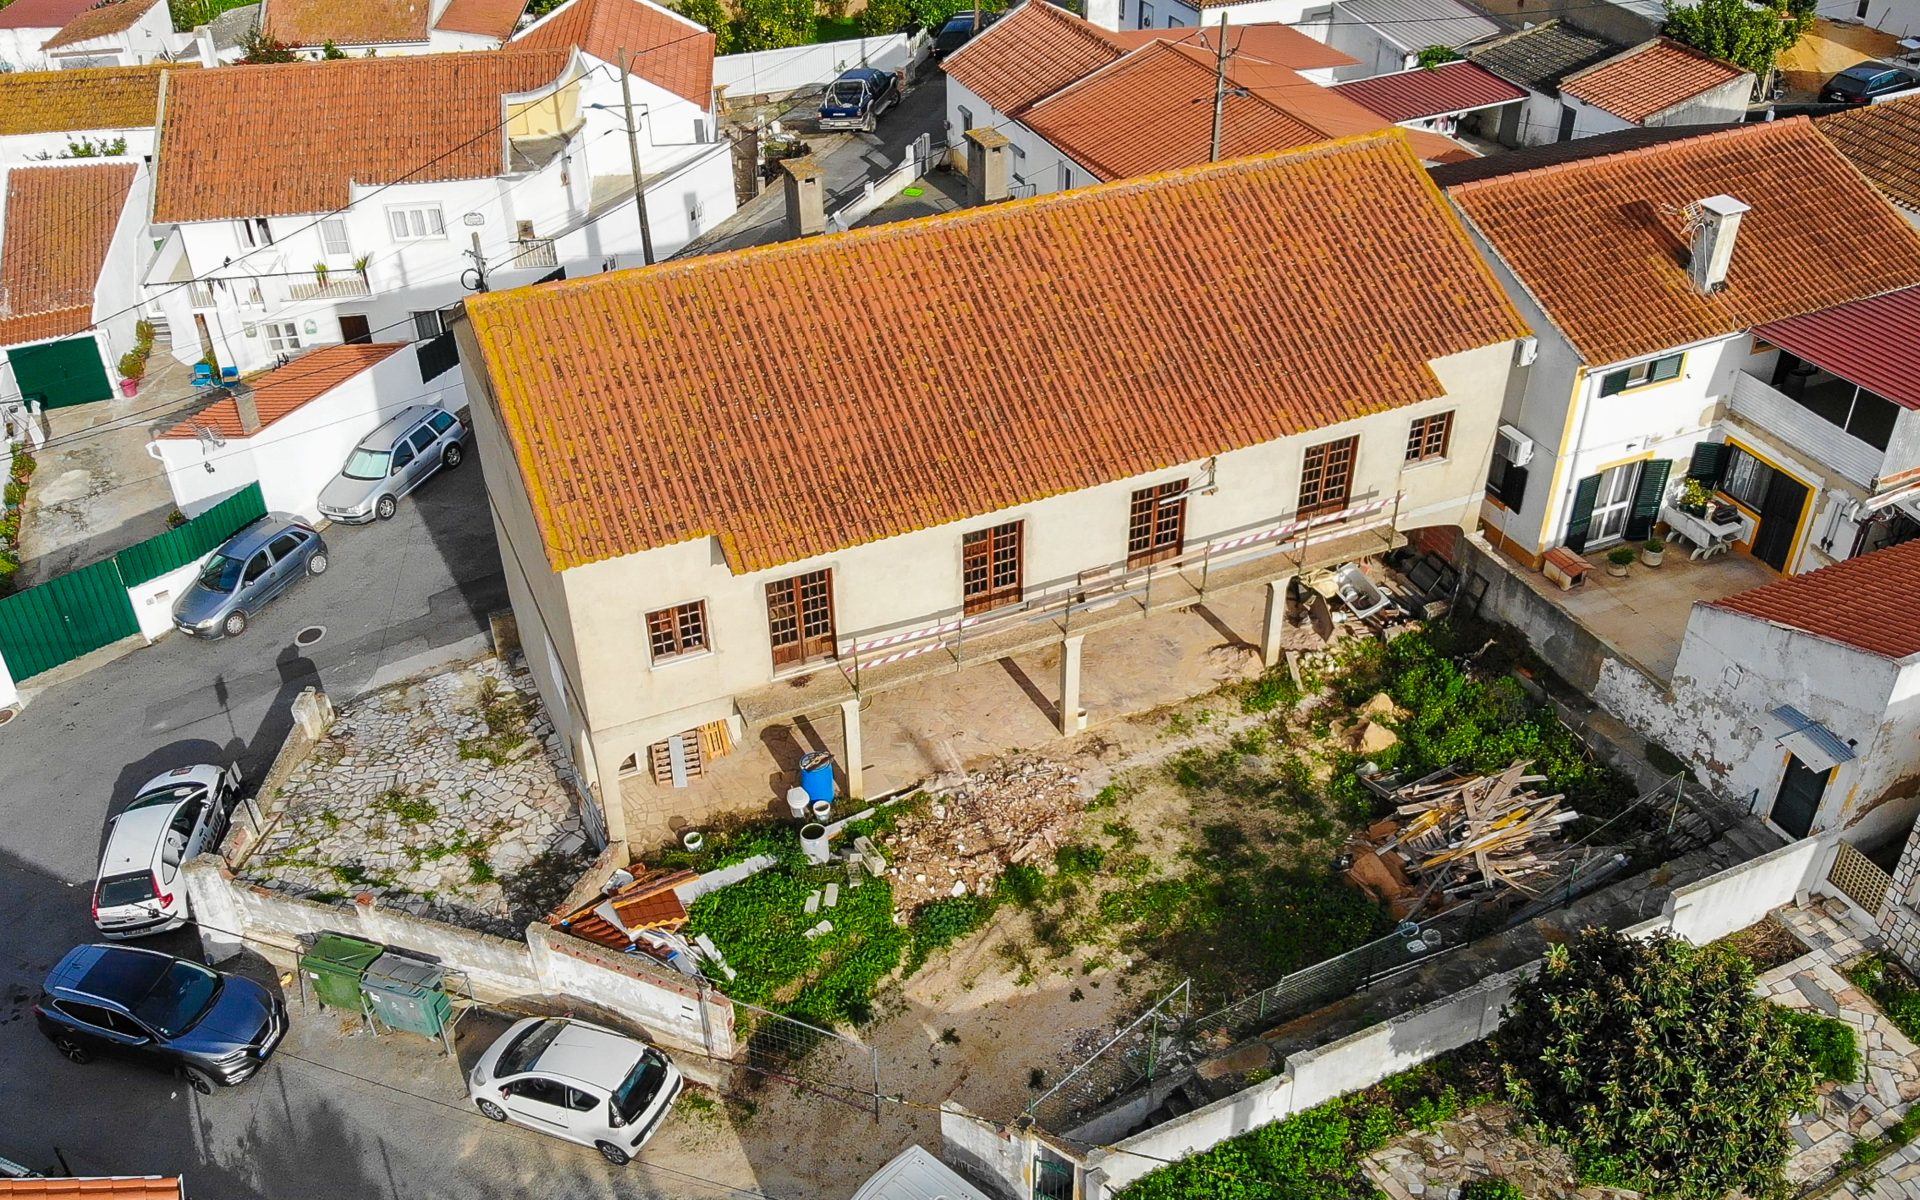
{"type": "Point", "coordinates": [1828, 48]}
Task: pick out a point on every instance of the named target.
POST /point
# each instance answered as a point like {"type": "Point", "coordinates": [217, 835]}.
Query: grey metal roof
{"type": "Point", "coordinates": [1810, 739]}
{"type": "Point", "coordinates": [1417, 24]}
{"type": "Point", "coordinates": [1539, 58]}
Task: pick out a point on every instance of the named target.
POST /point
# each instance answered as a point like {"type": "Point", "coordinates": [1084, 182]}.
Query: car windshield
{"type": "Point", "coordinates": [525, 1050]}
{"type": "Point", "coordinates": [366, 464]}
{"type": "Point", "coordinates": [960, 24]}
{"type": "Point", "coordinates": [178, 998]}
{"type": "Point", "coordinates": [640, 1087]}
{"type": "Point", "coordinates": [221, 574]}
{"type": "Point", "coordinates": [135, 887]}
{"type": "Point", "coordinates": [847, 95]}
{"type": "Point", "coordinates": [171, 794]}
{"type": "Point", "coordinates": [1848, 85]}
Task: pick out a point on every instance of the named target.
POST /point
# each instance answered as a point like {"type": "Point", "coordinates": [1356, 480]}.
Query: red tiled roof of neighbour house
{"type": "Point", "coordinates": [1438, 148]}
{"type": "Point", "coordinates": [1030, 54]}
{"type": "Point", "coordinates": [104, 21]}
{"type": "Point", "coordinates": [664, 47]}
{"type": "Point", "coordinates": [82, 98]}
{"type": "Point", "coordinates": [1430, 92]}
{"type": "Point", "coordinates": [366, 121]}
{"type": "Point", "coordinates": [1599, 242]}
{"type": "Point", "coordinates": [59, 226]}
{"type": "Point", "coordinates": [1874, 344]}
{"type": "Point", "coordinates": [1281, 45]}
{"type": "Point", "coordinates": [136, 1187]}
{"type": "Point", "coordinates": [1865, 602]}
{"type": "Point", "coordinates": [42, 14]}
{"type": "Point", "coordinates": [280, 392]}
{"type": "Point", "coordinates": [345, 22]}
{"type": "Point", "coordinates": [1883, 140]}
{"type": "Point", "coordinates": [488, 18]}
{"type": "Point", "coordinates": [1649, 79]}
{"type": "Point", "coordinates": [1153, 111]}
{"type": "Point", "coordinates": [1010, 353]}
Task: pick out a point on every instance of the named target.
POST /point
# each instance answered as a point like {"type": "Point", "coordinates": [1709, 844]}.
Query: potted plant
{"type": "Point", "coordinates": [1652, 551]}
{"type": "Point", "coordinates": [1619, 559]}
{"type": "Point", "coordinates": [1694, 497]}
{"type": "Point", "coordinates": [320, 274]}
{"type": "Point", "coordinates": [360, 264]}
{"type": "Point", "coordinates": [133, 366]}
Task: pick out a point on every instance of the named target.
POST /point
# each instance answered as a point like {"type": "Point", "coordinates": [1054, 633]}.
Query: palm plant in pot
{"type": "Point", "coordinates": [1619, 559]}
{"type": "Point", "coordinates": [1652, 551]}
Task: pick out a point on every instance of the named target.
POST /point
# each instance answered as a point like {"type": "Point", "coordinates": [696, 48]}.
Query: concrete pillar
{"type": "Point", "coordinates": [850, 727]}
{"type": "Point", "coordinates": [1070, 719]}
{"type": "Point", "coordinates": [987, 170]}
{"type": "Point", "coordinates": [806, 186]}
{"type": "Point", "coordinates": [1276, 619]}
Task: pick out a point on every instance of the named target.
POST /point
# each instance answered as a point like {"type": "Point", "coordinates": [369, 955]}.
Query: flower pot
{"type": "Point", "coordinates": [1617, 570]}
{"type": "Point", "coordinates": [1652, 557]}
{"type": "Point", "coordinates": [129, 387]}
{"type": "Point", "coordinates": [693, 841]}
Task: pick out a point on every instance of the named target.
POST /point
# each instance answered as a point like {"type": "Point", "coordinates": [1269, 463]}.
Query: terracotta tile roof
{"type": "Point", "coordinates": [1874, 344]}
{"type": "Point", "coordinates": [280, 392]}
{"type": "Point", "coordinates": [665, 47]}
{"type": "Point", "coordinates": [1598, 243]}
{"type": "Point", "coordinates": [1439, 149]}
{"type": "Point", "coordinates": [81, 98]}
{"type": "Point", "coordinates": [362, 120]}
{"type": "Point", "coordinates": [118, 16]}
{"type": "Point", "coordinates": [1883, 140]}
{"type": "Point", "coordinates": [1410, 95]}
{"type": "Point", "coordinates": [488, 18]}
{"type": "Point", "coordinates": [1649, 79]}
{"type": "Point", "coordinates": [147, 1187]}
{"type": "Point", "coordinates": [1281, 45]}
{"type": "Point", "coordinates": [1153, 111]}
{"type": "Point", "coordinates": [42, 14]}
{"type": "Point", "coordinates": [1030, 54]}
{"type": "Point", "coordinates": [1016, 351]}
{"type": "Point", "coordinates": [59, 224]}
{"type": "Point", "coordinates": [1540, 57]}
{"type": "Point", "coordinates": [1865, 602]}
{"type": "Point", "coordinates": [345, 22]}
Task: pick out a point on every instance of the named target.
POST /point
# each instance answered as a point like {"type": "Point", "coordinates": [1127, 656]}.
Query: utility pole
{"type": "Point", "coordinates": [479, 264]}
{"type": "Point", "coordinates": [1219, 89]}
{"type": "Point", "coordinates": [633, 149]}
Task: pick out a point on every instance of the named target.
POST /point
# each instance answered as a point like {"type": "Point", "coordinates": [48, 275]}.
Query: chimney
{"type": "Point", "coordinates": [986, 166]}
{"type": "Point", "coordinates": [203, 42]}
{"type": "Point", "coordinates": [1715, 225]}
{"type": "Point", "coordinates": [806, 196]}
{"type": "Point", "coordinates": [249, 411]}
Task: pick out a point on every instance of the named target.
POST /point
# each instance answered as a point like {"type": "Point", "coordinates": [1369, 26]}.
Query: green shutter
{"type": "Point", "coordinates": [1614, 384]}
{"type": "Point", "coordinates": [1646, 499]}
{"type": "Point", "coordinates": [1582, 519]}
{"type": "Point", "coordinates": [1667, 368]}
{"type": "Point", "coordinates": [1709, 463]}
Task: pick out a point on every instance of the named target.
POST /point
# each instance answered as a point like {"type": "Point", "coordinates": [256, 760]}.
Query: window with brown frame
{"type": "Point", "coordinates": [1157, 524]}
{"type": "Point", "coordinates": [679, 630]}
{"type": "Point", "coordinates": [1326, 476]}
{"type": "Point", "coordinates": [990, 567]}
{"type": "Point", "coordinates": [1427, 437]}
{"type": "Point", "coordinates": [800, 617]}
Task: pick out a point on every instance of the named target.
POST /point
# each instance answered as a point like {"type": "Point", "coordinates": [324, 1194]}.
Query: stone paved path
{"type": "Point", "coordinates": [1479, 1145]}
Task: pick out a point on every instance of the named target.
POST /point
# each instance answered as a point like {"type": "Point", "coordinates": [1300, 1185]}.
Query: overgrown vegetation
{"type": "Point", "coordinates": [1884, 980]}
{"type": "Point", "coordinates": [506, 712]}
{"type": "Point", "coordinates": [1492, 1189]}
{"type": "Point", "coordinates": [1826, 1045]}
{"type": "Point", "coordinates": [1749, 36]}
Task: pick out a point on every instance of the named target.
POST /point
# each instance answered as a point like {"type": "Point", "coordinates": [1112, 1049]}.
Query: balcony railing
{"type": "Point", "coordinates": [534, 252]}
{"type": "Point", "coordinates": [330, 286]}
{"type": "Point", "coordinates": [1777, 414]}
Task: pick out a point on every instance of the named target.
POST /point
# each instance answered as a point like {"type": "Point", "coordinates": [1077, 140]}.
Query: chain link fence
{"type": "Point", "coordinates": [828, 1064]}
{"type": "Point", "coordinates": [1147, 1047]}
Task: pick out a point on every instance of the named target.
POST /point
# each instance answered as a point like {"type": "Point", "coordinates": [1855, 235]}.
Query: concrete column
{"type": "Point", "coordinates": [806, 187]}
{"type": "Point", "coordinates": [850, 727]}
{"type": "Point", "coordinates": [987, 170]}
{"type": "Point", "coordinates": [1276, 619]}
{"type": "Point", "coordinates": [1070, 685]}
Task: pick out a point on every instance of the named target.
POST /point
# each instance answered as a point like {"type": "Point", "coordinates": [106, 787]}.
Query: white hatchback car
{"type": "Point", "coordinates": [577, 1081]}
{"type": "Point", "coordinates": [174, 817]}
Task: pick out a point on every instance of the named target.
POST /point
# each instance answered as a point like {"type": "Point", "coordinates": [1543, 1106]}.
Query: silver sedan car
{"type": "Point", "coordinates": [254, 566]}
{"type": "Point", "coordinates": [577, 1081]}
{"type": "Point", "coordinates": [392, 461]}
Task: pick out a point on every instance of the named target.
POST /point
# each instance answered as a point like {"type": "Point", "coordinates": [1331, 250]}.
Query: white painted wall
{"type": "Point", "coordinates": [150, 39]}
{"type": "Point", "coordinates": [29, 147]}
{"type": "Point", "coordinates": [796, 68]}
{"type": "Point", "coordinates": [1898, 17]}
{"type": "Point", "coordinates": [153, 600]}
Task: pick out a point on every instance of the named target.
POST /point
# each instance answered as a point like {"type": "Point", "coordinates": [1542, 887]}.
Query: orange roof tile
{"type": "Point", "coordinates": [117, 16]}
{"type": "Point", "coordinates": [488, 18]}
{"type": "Point", "coordinates": [280, 392]}
{"type": "Point", "coordinates": [1598, 242]}
{"type": "Point", "coordinates": [1883, 140]}
{"type": "Point", "coordinates": [344, 22]}
{"type": "Point", "coordinates": [1281, 45]}
{"type": "Point", "coordinates": [1030, 54]}
{"type": "Point", "coordinates": [82, 98]}
{"type": "Point", "coordinates": [362, 120]}
{"type": "Point", "coordinates": [1153, 111]}
{"type": "Point", "coordinates": [665, 47]}
{"type": "Point", "coordinates": [1864, 602]}
{"type": "Point", "coordinates": [1011, 352]}
{"type": "Point", "coordinates": [59, 224]}
{"type": "Point", "coordinates": [132, 1187]}
{"type": "Point", "coordinates": [42, 14]}
{"type": "Point", "coordinates": [1649, 79]}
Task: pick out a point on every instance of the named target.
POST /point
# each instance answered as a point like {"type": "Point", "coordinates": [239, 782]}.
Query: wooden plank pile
{"type": "Point", "coordinates": [622, 917]}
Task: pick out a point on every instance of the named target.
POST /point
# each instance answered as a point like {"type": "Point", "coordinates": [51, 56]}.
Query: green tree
{"type": "Point", "coordinates": [330, 51]}
{"type": "Point", "coordinates": [1433, 56]}
{"type": "Point", "coordinates": [773, 24]}
{"type": "Point", "coordinates": [263, 48]}
{"type": "Point", "coordinates": [1748, 37]}
{"type": "Point", "coordinates": [714, 15]}
{"type": "Point", "coordinates": [885, 16]}
{"type": "Point", "coordinates": [1656, 1065]}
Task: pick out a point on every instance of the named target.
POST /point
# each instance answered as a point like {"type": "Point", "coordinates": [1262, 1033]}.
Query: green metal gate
{"type": "Point", "coordinates": [60, 374]}
{"type": "Point", "coordinates": [64, 618]}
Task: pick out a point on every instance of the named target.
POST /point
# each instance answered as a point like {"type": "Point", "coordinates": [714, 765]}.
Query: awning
{"type": "Point", "coordinates": [1874, 344]}
{"type": "Point", "coordinates": [1810, 741]}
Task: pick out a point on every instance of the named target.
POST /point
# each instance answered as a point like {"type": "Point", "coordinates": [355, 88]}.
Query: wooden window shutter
{"type": "Point", "coordinates": [1646, 500]}
{"type": "Point", "coordinates": [1614, 384]}
{"type": "Point", "coordinates": [1582, 519]}
{"type": "Point", "coordinates": [1709, 462]}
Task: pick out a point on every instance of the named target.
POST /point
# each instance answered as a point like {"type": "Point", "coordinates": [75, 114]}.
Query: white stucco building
{"type": "Point", "coordinates": [109, 111]}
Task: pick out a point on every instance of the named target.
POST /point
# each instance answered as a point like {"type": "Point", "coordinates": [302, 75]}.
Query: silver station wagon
{"type": "Point", "coordinates": [392, 461]}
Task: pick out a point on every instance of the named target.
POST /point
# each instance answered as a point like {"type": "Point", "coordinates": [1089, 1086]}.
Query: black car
{"type": "Point", "coordinates": [208, 1026]}
{"type": "Point", "coordinates": [857, 98]}
{"type": "Point", "coordinates": [1863, 82]}
{"type": "Point", "coordinates": [957, 32]}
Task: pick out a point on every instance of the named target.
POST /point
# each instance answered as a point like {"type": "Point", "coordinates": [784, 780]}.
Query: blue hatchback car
{"type": "Point", "coordinates": [212, 1028]}
{"type": "Point", "coordinates": [857, 98]}
{"type": "Point", "coordinates": [257, 564]}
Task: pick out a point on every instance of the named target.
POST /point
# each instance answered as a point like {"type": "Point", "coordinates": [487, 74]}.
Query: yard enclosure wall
{"type": "Point", "coordinates": [799, 68]}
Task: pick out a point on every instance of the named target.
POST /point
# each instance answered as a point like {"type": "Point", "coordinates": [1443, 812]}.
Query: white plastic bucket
{"type": "Point", "coordinates": [823, 811]}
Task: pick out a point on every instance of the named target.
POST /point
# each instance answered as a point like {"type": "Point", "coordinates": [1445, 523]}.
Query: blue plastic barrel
{"type": "Point", "coordinates": [816, 774]}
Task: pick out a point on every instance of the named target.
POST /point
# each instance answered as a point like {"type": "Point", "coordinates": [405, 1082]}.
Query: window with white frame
{"type": "Point", "coordinates": [412, 224]}
{"type": "Point", "coordinates": [254, 233]}
{"type": "Point", "coordinates": [282, 336]}
{"type": "Point", "coordinates": [429, 324]}
{"type": "Point", "coordinates": [333, 235]}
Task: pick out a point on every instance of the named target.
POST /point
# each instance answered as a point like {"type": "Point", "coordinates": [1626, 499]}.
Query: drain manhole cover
{"type": "Point", "coordinates": [8, 714]}
{"type": "Point", "coordinates": [309, 635]}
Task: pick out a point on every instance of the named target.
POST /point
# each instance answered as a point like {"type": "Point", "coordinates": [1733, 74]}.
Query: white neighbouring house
{"type": "Point", "coordinates": [47, 115]}
{"type": "Point", "coordinates": [119, 33]}
{"type": "Point", "coordinates": [390, 27]}
{"type": "Point", "coordinates": [27, 25]}
{"type": "Point", "coordinates": [358, 219]}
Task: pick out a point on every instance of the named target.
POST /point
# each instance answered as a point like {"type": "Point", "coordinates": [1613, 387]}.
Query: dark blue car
{"type": "Point", "coordinates": [208, 1026]}
{"type": "Point", "coordinates": [857, 98]}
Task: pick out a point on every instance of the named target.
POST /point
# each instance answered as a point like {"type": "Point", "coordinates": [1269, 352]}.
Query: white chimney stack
{"type": "Point", "coordinates": [1715, 225]}
{"type": "Point", "coordinates": [203, 44]}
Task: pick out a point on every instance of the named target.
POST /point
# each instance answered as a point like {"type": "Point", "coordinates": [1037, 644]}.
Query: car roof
{"type": "Point", "coordinates": [589, 1054]}
{"type": "Point", "coordinates": [862, 73]}
{"type": "Point", "coordinates": [382, 438]}
{"type": "Point", "coordinates": [136, 839]}
{"type": "Point", "coordinates": [1866, 69]}
{"type": "Point", "coordinates": [258, 534]}
{"type": "Point", "coordinates": [121, 974]}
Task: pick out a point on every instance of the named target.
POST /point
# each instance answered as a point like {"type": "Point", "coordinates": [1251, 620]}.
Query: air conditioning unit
{"type": "Point", "coordinates": [1527, 351]}
{"type": "Point", "coordinates": [1514, 446]}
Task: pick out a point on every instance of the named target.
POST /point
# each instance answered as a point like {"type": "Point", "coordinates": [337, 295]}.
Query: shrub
{"type": "Point", "coordinates": [1827, 1045]}
{"type": "Point", "coordinates": [1620, 556]}
{"type": "Point", "coordinates": [1885, 981]}
{"type": "Point", "coordinates": [881, 17]}
{"type": "Point", "coordinates": [1656, 1065]}
{"type": "Point", "coordinates": [133, 364]}
{"type": "Point", "coordinates": [15, 492]}
{"type": "Point", "coordinates": [1492, 1189]}
{"type": "Point", "coordinates": [262, 48]}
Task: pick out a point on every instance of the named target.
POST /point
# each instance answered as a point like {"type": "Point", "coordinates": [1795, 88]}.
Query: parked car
{"type": "Point", "coordinates": [392, 461]}
{"type": "Point", "coordinates": [857, 98]}
{"type": "Point", "coordinates": [958, 31]}
{"type": "Point", "coordinates": [1863, 82]}
{"type": "Point", "coordinates": [208, 1026]}
{"type": "Point", "coordinates": [174, 817]}
{"type": "Point", "coordinates": [577, 1081]}
{"type": "Point", "coordinates": [243, 576]}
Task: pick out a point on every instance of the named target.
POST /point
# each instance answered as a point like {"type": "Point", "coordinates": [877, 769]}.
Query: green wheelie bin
{"type": "Point", "coordinates": [334, 966]}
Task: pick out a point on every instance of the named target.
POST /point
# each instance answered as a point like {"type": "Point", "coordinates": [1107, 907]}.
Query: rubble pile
{"type": "Point", "coordinates": [964, 839]}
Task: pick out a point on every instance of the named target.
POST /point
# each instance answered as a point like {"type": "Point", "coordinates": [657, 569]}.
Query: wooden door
{"type": "Point", "coordinates": [990, 573]}
{"type": "Point", "coordinates": [800, 617]}
{"type": "Point", "coordinates": [354, 330]}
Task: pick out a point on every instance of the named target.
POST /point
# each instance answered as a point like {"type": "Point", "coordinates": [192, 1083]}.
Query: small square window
{"type": "Point", "coordinates": [412, 224]}
{"type": "Point", "coordinates": [1427, 437]}
{"type": "Point", "coordinates": [682, 629]}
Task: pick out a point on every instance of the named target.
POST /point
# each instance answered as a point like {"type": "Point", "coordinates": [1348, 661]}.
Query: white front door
{"type": "Point", "coordinates": [1613, 504]}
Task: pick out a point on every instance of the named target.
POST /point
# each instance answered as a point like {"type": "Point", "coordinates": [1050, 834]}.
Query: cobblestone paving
{"type": "Point", "coordinates": [1479, 1145]}
{"type": "Point", "coordinates": [414, 798]}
